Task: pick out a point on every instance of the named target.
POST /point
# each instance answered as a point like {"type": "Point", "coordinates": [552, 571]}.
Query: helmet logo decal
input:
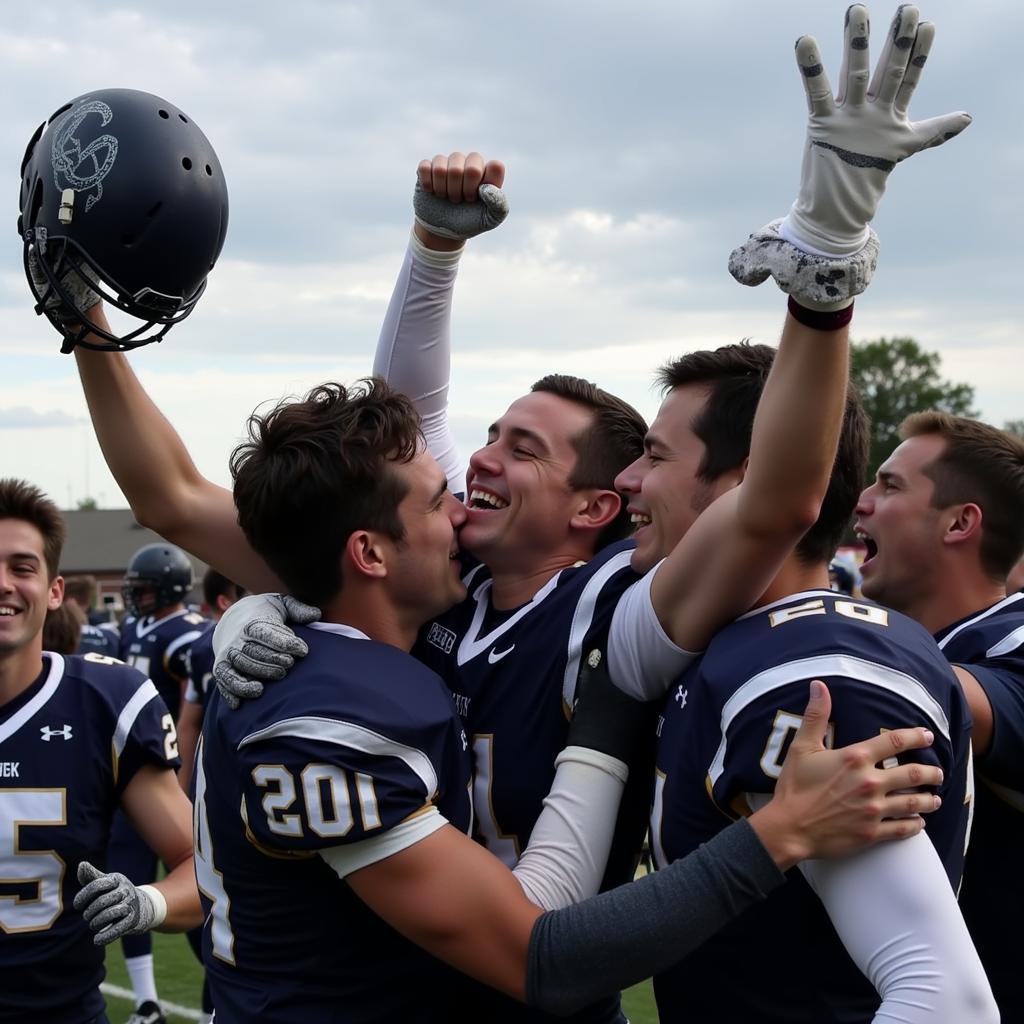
{"type": "Point", "coordinates": [69, 159]}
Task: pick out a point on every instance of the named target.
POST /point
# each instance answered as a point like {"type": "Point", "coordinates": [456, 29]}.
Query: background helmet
{"type": "Point", "coordinates": [122, 191]}
{"type": "Point", "coordinates": [158, 576]}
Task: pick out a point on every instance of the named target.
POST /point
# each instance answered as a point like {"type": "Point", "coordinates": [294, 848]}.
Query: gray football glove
{"type": "Point", "coordinates": [459, 220]}
{"type": "Point", "coordinates": [854, 140]}
{"type": "Point", "coordinates": [77, 287]}
{"type": "Point", "coordinates": [113, 907]}
{"type": "Point", "coordinates": [252, 642]}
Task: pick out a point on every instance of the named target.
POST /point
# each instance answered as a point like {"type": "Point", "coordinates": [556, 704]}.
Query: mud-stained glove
{"type": "Point", "coordinates": [604, 718]}
{"type": "Point", "coordinates": [252, 642]}
{"type": "Point", "coordinates": [460, 220]}
{"type": "Point", "coordinates": [78, 287]}
{"type": "Point", "coordinates": [854, 140]}
{"type": "Point", "coordinates": [113, 907]}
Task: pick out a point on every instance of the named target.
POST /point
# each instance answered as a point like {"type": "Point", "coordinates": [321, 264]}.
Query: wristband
{"type": "Point", "coordinates": [156, 897]}
{"type": "Point", "coordinates": [819, 319]}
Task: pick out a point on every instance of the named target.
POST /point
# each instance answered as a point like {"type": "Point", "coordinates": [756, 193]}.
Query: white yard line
{"type": "Point", "coordinates": [172, 1009]}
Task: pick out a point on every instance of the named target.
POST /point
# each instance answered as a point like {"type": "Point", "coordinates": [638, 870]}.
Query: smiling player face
{"type": "Point", "coordinates": [26, 591]}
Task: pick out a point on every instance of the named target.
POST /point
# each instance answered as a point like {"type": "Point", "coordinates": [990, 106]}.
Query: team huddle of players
{"type": "Point", "coordinates": [461, 697]}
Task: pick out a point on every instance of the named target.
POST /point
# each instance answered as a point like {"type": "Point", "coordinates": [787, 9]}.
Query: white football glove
{"type": "Point", "coordinates": [252, 642]}
{"type": "Point", "coordinates": [854, 140]}
{"type": "Point", "coordinates": [114, 907]}
{"type": "Point", "coordinates": [78, 287]}
{"type": "Point", "coordinates": [459, 220]}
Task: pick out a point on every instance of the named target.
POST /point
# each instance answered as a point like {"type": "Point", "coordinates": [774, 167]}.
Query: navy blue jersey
{"type": "Point", "coordinates": [199, 666]}
{"type": "Point", "coordinates": [158, 649]}
{"type": "Point", "coordinates": [362, 739]}
{"type": "Point", "coordinates": [94, 640]}
{"type": "Point", "coordinates": [513, 677]}
{"type": "Point", "coordinates": [724, 733]}
{"type": "Point", "coordinates": [69, 745]}
{"type": "Point", "coordinates": [990, 645]}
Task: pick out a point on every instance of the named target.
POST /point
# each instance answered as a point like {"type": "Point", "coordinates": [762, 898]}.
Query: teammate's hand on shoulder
{"type": "Point", "coordinates": [457, 197]}
{"type": "Point", "coordinates": [253, 644]}
{"type": "Point", "coordinates": [114, 907]}
{"type": "Point", "coordinates": [830, 803]}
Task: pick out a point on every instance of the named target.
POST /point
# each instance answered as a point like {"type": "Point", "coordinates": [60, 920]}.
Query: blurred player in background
{"type": "Point", "coordinates": [155, 639]}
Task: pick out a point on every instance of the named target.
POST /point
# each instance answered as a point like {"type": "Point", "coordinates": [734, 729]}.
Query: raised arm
{"type": "Point", "coordinates": [151, 465]}
{"type": "Point", "coordinates": [456, 198]}
{"type": "Point", "coordinates": [823, 253]}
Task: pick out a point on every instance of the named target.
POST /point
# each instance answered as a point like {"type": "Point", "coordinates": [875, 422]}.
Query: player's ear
{"type": "Point", "coordinates": [964, 524]}
{"type": "Point", "coordinates": [56, 596]}
{"type": "Point", "coordinates": [595, 509]}
{"type": "Point", "coordinates": [364, 552]}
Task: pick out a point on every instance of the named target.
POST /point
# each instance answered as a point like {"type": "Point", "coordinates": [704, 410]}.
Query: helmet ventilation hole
{"type": "Point", "coordinates": [186, 163]}
{"type": "Point", "coordinates": [183, 119]}
{"type": "Point", "coordinates": [163, 114]}
{"type": "Point", "coordinates": [209, 170]}
{"type": "Point", "coordinates": [154, 210]}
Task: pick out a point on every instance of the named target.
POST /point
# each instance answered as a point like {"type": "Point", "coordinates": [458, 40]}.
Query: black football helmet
{"type": "Point", "coordinates": [121, 192]}
{"type": "Point", "coordinates": [158, 576]}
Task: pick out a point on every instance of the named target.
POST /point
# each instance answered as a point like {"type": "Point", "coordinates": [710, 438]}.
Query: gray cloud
{"type": "Point", "coordinates": [20, 417]}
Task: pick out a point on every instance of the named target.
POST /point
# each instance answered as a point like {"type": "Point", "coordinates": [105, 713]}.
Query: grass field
{"type": "Point", "coordinates": [179, 981]}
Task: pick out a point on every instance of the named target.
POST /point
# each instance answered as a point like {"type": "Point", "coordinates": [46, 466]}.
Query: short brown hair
{"type": "Point", "coordinates": [613, 441]}
{"type": "Point", "coordinates": [316, 470]}
{"type": "Point", "coordinates": [62, 630]}
{"type": "Point", "coordinates": [20, 500]}
{"type": "Point", "coordinates": [982, 465]}
{"type": "Point", "coordinates": [81, 589]}
{"type": "Point", "coordinates": [735, 376]}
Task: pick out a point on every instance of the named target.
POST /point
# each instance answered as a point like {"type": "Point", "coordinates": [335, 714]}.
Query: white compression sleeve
{"type": "Point", "coordinates": [565, 859]}
{"type": "Point", "coordinates": [414, 349]}
{"type": "Point", "coordinates": [897, 916]}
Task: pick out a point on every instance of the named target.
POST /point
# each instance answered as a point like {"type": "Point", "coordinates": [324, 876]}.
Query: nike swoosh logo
{"type": "Point", "coordinates": [493, 656]}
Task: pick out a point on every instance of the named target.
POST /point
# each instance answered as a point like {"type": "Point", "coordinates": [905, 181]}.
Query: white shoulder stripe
{"type": "Point", "coordinates": [898, 683]}
{"type": "Point", "coordinates": [583, 618]}
{"type": "Point", "coordinates": [1005, 603]}
{"type": "Point", "coordinates": [357, 737]}
{"type": "Point", "coordinates": [180, 641]}
{"type": "Point", "coordinates": [19, 718]}
{"type": "Point", "coordinates": [139, 699]}
{"type": "Point", "coordinates": [1010, 642]}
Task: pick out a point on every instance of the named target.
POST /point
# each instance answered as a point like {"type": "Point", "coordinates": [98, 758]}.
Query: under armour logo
{"type": "Point", "coordinates": [680, 697]}
{"type": "Point", "coordinates": [465, 742]}
{"type": "Point", "coordinates": [48, 733]}
{"type": "Point", "coordinates": [78, 168]}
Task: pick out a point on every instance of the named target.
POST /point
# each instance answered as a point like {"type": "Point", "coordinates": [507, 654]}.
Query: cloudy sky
{"type": "Point", "coordinates": [643, 142]}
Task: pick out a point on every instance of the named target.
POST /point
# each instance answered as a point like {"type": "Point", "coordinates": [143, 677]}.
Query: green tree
{"type": "Point", "coordinates": [897, 377]}
{"type": "Point", "coordinates": [87, 505]}
{"type": "Point", "coordinates": [1014, 427]}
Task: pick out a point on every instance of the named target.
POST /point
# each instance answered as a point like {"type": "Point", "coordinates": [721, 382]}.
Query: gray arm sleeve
{"type": "Point", "coordinates": [581, 953]}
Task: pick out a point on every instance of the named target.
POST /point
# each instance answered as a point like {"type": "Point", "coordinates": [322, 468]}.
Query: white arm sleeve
{"type": "Point", "coordinates": [565, 859]}
{"type": "Point", "coordinates": [353, 856]}
{"type": "Point", "coordinates": [897, 916]}
{"type": "Point", "coordinates": [642, 659]}
{"type": "Point", "coordinates": [414, 349]}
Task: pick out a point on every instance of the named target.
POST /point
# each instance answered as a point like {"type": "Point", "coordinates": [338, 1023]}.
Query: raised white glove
{"type": "Point", "coordinates": [252, 642]}
{"type": "Point", "coordinates": [114, 907]}
{"type": "Point", "coordinates": [855, 139]}
{"type": "Point", "coordinates": [459, 220]}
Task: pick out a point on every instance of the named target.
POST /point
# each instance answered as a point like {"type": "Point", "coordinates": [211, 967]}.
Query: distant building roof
{"type": "Point", "coordinates": [104, 540]}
